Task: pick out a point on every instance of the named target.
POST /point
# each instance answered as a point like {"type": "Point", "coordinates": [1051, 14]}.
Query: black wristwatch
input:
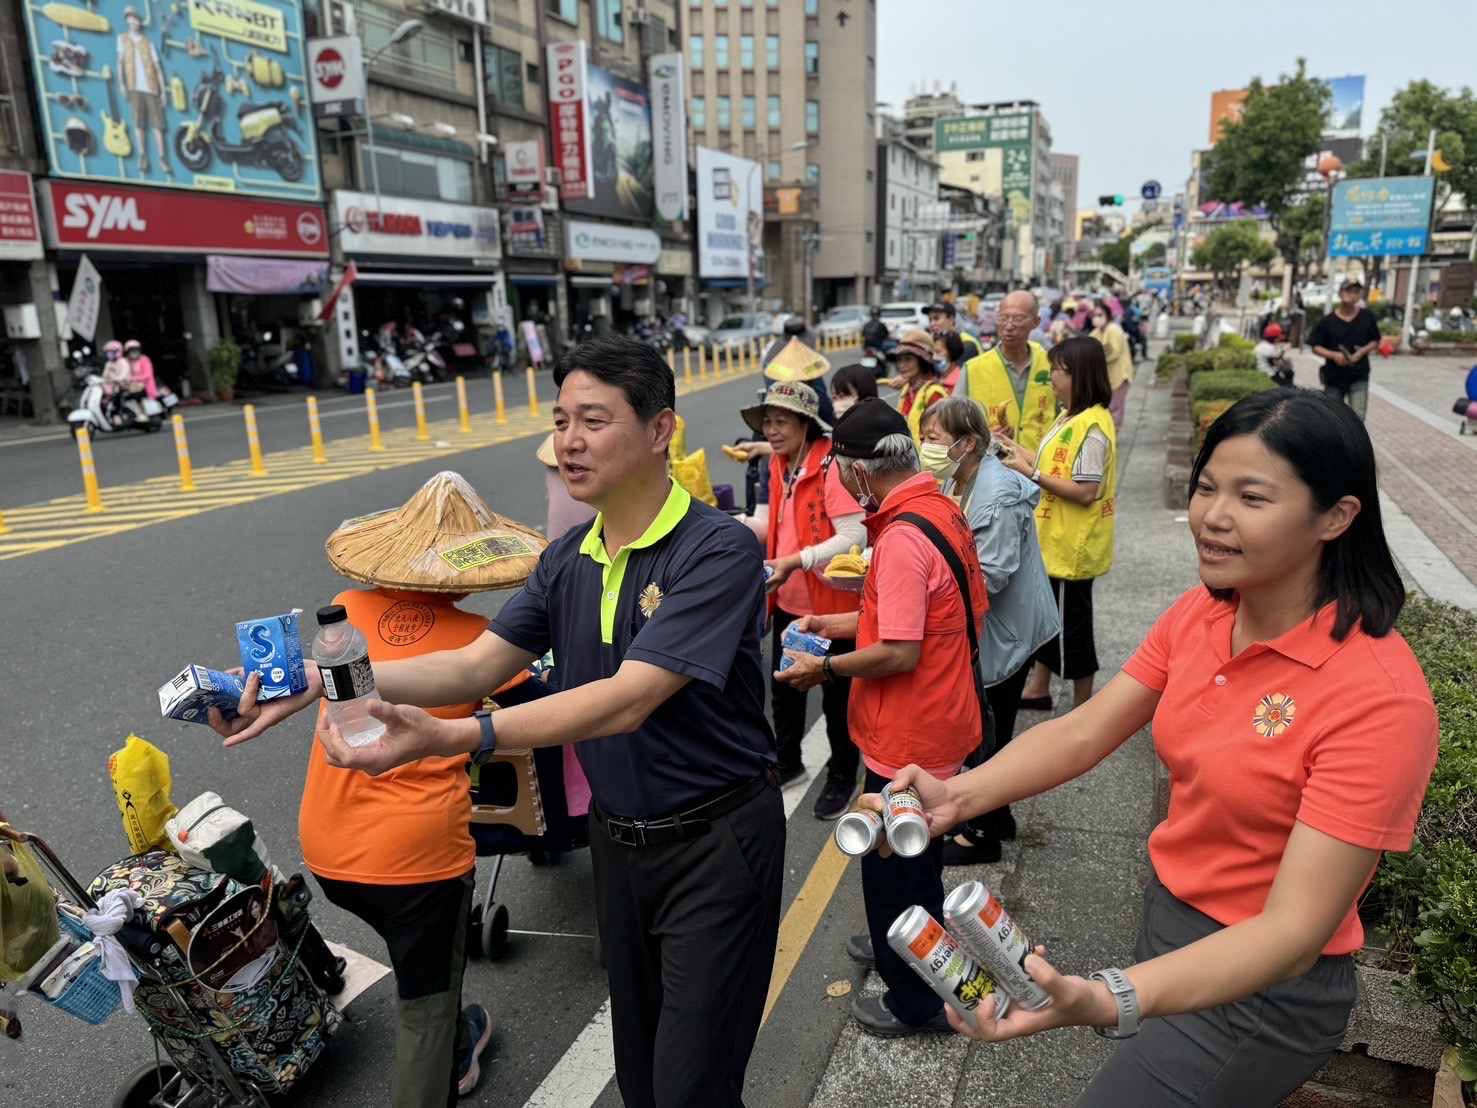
{"type": "Point", "coordinates": [489, 739]}
{"type": "Point", "coordinates": [826, 673]}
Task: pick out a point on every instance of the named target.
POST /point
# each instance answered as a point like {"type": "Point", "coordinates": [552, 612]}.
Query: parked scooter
{"type": "Point", "coordinates": [422, 361]}
{"type": "Point", "coordinates": [381, 359]}
{"type": "Point", "coordinates": [264, 131]}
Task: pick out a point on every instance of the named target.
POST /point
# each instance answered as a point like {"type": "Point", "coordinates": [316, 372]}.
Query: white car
{"type": "Point", "coordinates": [904, 315]}
{"type": "Point", "coordinates": [845, 318]}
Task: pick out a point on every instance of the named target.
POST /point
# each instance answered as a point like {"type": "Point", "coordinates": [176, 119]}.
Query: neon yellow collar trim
{"type": "Point", "coordinates": [614, 573]}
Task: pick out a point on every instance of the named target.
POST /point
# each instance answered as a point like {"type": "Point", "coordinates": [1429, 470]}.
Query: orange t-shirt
{"type": "Point", "coordinates": [410, 825]}
{"type": "Point", "coordinates": [1340, 736]}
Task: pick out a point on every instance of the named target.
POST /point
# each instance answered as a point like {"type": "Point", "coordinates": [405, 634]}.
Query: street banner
{"type": "Point", "coordinates": [569, 79]}
{"type": "Point", "coordinates": [86, 300]}
{"type": "Point", "coordinates": [336, 76]}
{"type": "Point", "coordinates": [620, 166]}
{"type": "Point", "coordinates": [264, 276]}
{"type": "Point", "coordinates": [351, 274]}
{"type": "Point", "coordinates": [205, 95]}
{"type": "Point", "coordinates": [20, 225]}
{"type": "Point", "coordinates": [730, 213]}
{"type": "Point", "coordinates": [106, 217]}
{"type": "Point", "coordinates": [1381, 215]}
{"type": "Point", "coordinates": [1013, 135]}
{"type": "Point", "coordinates": [669, 136]}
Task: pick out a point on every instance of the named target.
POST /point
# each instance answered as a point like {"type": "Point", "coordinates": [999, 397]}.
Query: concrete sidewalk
{"type": "Point", "coordinates": [1074, 878]}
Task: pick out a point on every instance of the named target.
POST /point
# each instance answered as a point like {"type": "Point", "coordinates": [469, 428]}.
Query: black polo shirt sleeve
{"type": "Point", "coordinates": [697, 627]}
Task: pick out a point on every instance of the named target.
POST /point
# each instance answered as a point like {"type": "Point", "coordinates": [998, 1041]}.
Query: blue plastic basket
{"type": "Point", "coordinates": [92, 998]}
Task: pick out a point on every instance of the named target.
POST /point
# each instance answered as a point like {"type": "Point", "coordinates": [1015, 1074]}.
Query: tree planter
{"type": "Point", "coordinates": [1443, 347]}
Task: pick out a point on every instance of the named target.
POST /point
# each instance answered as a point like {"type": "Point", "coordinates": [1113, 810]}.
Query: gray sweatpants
{"type": "Point", "coordinates": [1248, 1054]}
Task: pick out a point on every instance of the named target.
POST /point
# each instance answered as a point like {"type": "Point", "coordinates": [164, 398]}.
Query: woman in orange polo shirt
{"type": "Point", "coordinates": [1300, 735]}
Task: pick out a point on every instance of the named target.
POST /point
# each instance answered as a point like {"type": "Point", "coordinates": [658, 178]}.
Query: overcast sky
{"type": "Point", "coordinates": [1127, 86]}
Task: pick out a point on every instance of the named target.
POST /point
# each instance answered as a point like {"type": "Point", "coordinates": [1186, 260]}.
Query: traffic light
{"type": "Point", "coordinates": [1110, 201]}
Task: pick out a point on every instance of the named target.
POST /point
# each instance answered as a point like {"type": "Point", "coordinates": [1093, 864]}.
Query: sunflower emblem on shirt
{"type": "Point", "coordinates": [1273, 715]}
{"type": "Point", "coordinates": [650, 600]}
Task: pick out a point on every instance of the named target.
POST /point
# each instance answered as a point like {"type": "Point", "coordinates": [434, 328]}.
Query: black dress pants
{"type": "Point", "coordinates": [788, 708]}
{"type": "Point", "coordinates": [689, 932]}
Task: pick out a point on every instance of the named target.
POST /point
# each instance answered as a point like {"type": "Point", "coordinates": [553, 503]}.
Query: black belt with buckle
{"type": "Point", "coordinates": [686, 825]}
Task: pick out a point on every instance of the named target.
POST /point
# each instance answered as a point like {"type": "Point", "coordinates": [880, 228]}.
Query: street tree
{"type": "Point", "coordinates": [1303, 225]}
{"type": "Point", "coordinates": [1228, 250]}
{"type": "Point", "coordinates": [1259, 159]}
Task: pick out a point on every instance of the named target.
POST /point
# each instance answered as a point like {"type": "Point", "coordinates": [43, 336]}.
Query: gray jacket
{"type": "Point", "coordinates": [1023, 611]}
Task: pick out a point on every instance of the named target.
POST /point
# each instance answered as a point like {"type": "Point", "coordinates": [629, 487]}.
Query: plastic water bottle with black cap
{"type": "Point", "coordinates": [342, 654]}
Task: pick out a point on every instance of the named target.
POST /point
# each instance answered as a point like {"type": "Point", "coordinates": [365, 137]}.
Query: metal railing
{"type": "Point", "coordinates": [429, 58]}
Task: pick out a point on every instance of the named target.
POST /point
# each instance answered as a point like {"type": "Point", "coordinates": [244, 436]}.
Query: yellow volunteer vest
{"type": "Point", "coordinates": [989, 382]}
{"type": "Point", "coordinates": [1076, 539]}
{"type": "Point", "coordinates": [926, 396]}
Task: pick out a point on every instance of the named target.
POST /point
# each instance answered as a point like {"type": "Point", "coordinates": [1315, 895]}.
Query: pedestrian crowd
{"type": "Point", "coordinates": [1296, 725]}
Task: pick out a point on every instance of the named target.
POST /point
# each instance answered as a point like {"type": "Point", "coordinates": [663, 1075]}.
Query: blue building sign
{"type": "Point", "coordinates": [1381, 215]}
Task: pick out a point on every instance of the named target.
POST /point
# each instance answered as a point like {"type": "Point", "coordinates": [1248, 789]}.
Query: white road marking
{"type": "Point", "coordinates": [580, 1076]}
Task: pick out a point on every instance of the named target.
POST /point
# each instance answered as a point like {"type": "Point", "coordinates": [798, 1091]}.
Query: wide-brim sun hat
{"type": "Point", "coordinates": [792, 396]}
{"type": "Point", "coordinates": [797, 362]}
{"type": "Point", "coordinates": [917, 342]}
{"type": "Point", "coordinates": [445, 539]}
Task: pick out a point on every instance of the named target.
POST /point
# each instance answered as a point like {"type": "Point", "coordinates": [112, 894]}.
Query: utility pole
{"type": "Point", "coordinates": [1415, 261]}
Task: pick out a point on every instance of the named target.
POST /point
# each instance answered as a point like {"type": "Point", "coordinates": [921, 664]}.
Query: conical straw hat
{"type": "Point", "coordinates": [797, 362]}
{"type": "Point", "coordinates": [545, 452]}
{"type": "Point", "coordinates": [445, 539]}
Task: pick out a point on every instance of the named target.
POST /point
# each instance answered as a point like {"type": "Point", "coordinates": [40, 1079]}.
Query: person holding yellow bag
{"type": "Point", "coordinates": [1076, 467]}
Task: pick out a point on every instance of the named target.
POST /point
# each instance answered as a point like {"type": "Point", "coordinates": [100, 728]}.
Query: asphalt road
{"type": "Point", "coordinates": [91, 631]}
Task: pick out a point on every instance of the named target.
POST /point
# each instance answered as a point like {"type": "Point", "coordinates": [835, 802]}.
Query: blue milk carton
{"type": "Point", "coordinates": [802, 642]}
{"type": "Point", "coordinates": [271, 646]}
{"type": "Point", "coordinates": [188, 696]}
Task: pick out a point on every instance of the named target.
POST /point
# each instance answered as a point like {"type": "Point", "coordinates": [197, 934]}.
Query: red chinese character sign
{"type": "Point", "coordinates": [568, 66]}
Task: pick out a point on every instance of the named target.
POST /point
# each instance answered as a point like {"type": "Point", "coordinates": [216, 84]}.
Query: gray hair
{"type": "Point", "coordinates": [895, 454]}
{"type": "Point", "coordinates": [963, 417]}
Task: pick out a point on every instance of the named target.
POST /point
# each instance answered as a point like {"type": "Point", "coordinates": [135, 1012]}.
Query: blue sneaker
{"type": "Point", "coordinates": [479, 1031]}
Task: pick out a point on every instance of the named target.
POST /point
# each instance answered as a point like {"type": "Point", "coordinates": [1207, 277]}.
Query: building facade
{"type": "Point", "coordinates": [1064, 169]}
{"type": "Point", "coordinates": [912, 220]}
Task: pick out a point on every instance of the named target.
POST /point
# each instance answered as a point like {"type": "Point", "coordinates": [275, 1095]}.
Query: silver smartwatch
{"type": "Point", "coordinates": [1127, 1001]}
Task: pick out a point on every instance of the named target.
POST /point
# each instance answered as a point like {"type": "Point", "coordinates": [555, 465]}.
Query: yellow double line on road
{"type": "Point", "coordinates": [36, 528]}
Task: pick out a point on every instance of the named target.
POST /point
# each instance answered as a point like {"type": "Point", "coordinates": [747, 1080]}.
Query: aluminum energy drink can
{"type": "Point", "coordinates": [921, 941]}
{"type": "Point", "coordinates": [992, 938]}
{"type": "Point", "coordinates": [859, 832]}
{"type": "Point", "coordinates": [902, 815]}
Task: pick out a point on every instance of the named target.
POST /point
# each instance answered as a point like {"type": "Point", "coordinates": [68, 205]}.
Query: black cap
{"type": "Point", "coordinates": [333, 613]}
{"type": "Point", "coordinates": [864, 425]}
{"type": "Point", "coordinates": [795, 325]}
{"type": "Point", "coordinates": [941, 306]}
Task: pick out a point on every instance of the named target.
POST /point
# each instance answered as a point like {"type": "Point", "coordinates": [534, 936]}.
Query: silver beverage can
{"type": "Point", "coordinates": [987, 933]}
{"type": "Point", "coordinates": [902, 815]}
{"type": "Point", "coordinates": [935, 955]}
{"type": "Point", "coordinates": [858, 833]}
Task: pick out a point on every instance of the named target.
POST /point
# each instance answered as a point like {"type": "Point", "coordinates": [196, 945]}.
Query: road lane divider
{"type": "Point", "coordinates": [315, 430]}
{"type": "Point", "coordinates": [89, 472]}
{"type": "Point", "coordinates": [182, 453]}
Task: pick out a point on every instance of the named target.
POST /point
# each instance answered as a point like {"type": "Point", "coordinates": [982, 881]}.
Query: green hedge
{"type": "Point", "coordinates": [1221, 359]}
{"type": "Point", "coordinates": [1206, 412]}
{"type": "Point", "coordinates": [1391, 327]}
{"type": "Point", "coordinates": [1423, 905]}
{"type": "Point", "coordinates": [1183, 344]}
{"type": "Point", "coordinates": [1231, 385]}
{"type": "Point", "coordinates": [1451, 336]}
{"type": "Point", "coordinates": [1168, 365]}
{"type": "Point", "coordinates": [1236, 342]}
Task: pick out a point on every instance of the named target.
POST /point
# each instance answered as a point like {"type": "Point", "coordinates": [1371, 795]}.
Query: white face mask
{"type": "Point", "coordinates": [842, 404]}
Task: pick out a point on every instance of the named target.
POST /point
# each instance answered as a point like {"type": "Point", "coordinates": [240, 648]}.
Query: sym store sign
{"type": "Point", "coordinates": [207, 95]}
{"type": "Point", "coordinates": [418, 228]}
{"type": "Point", "coordinates": [607, 242]}
{"type": "Point", "coordinates": [336, 76]}
{"type": "Point", "coordinates": [99, 218]}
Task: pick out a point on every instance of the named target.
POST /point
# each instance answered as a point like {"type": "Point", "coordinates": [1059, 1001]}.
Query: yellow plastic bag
{"type": "Point", "coordinates": [677, 448]}
{"type": "Point", "coordinates": [140, 773]}
{"type": "Point", "coordinates": [27, 911]}
{"type": "Point", "coordinates": [692, 474]}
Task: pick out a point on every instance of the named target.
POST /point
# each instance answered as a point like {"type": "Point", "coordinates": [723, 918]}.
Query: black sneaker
{"type": "Point", "coordinates": [791, 776]}
{"type": "Point", "coordinates": [835, 799]}
{"type": "Point", "coordinates": [979, 851]}
{"type": "Point", "coordinates": [859, 949]}
{"type": "Point", "coordinates": [479, 1030]}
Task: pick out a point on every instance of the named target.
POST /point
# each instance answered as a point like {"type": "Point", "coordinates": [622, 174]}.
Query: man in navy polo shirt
{"type": "Point", "coordinates": [654, 612]}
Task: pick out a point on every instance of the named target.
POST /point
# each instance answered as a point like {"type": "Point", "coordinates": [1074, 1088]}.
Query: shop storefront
{"type": "Point", "coordinates": [154, 248]}
{"type": "Point", "coordinates": [611, 274]}
{"type": "Point", "coordinates": [24, 389]}
{"type": "Point", "coordinates": [417, 263]}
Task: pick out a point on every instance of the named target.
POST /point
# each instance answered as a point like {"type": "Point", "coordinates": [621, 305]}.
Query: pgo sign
{"type": "Point", "coordinates": [336, 76]}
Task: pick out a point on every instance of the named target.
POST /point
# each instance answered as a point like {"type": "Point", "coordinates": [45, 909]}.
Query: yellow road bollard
{"type": "Point", "coordinates": [316, 430]}
{"type": "Point", "coordinates": [89, 473]}
{"type": "Point", "coordinates": [254, 442]}
{"type": "Point", "coordinates": [532, 393]}
{"type": "Point", "coordinates": [497, 388]}
{"type": "Point", "coordinates": [371, 404]}
{"type": "Point", "coordinates": [672, 360]}
{"type": "Point", "coordinates": [462, 411]}
{"type": "Point", "coordinates": [4, 530]}
{"type": "Point", "coordinates": [182, 451]}
{"type": "Point", "coordinates": [418, 394]}
{"type": "Point", "coordinates": [702, 362]}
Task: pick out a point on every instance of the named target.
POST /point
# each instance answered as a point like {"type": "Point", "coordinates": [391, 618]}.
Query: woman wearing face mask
{"type": "Point", "coordinates": [1000, 506]}
{"type": "Point", "coordinates": [1300, 736]}
{"type": "Point", "coordinates": [1120, 359]}
{"type": "Point", "coordinates": [948, 357]}
{"type": "Point", "coordinates": [1076, 467]}
{"type": "Point", "coordinates": [918, 378]}
{"type": "Point", "coordinates": [812, 518]}
{"type": "Point", "coordinates": [850, 384]}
